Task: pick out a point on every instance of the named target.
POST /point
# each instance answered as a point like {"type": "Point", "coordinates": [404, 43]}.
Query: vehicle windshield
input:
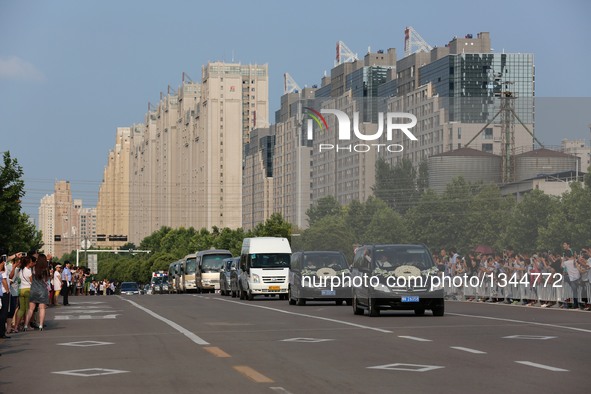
{"type": "Point", "coordinates": [316, 261]}
{"type": "Point", "coordinates": [129, 286]}
{"type": "Point", "coordinates": [270, 260]}
{"type": "Point", "coordinates": [391, 257]}
{"type": "Point", "coordinates": [213, 262]}
{"type": "Point", "coordinates": [190, 267]}
{"type": "Point", "coordinates": [158, 280]}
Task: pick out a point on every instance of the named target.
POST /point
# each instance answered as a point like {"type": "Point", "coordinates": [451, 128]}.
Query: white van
{"type": "Point", "coordinates": [264, 262]}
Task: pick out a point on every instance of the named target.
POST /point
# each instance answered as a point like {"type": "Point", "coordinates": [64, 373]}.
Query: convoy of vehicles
{"type": "Point", "coordinates": [401, 276]}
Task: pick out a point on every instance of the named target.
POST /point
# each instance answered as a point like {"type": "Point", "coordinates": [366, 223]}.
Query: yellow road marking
{"type": "Point", "coordinates": [252, 374]}
{"type": "Point", "coordinates": [216, 351]}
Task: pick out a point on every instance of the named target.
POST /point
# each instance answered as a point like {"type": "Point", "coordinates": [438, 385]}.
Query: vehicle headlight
{"type": "Point", "coordinates": [382, 287]}
{"type": "Point", "coordinates": [255, 278]}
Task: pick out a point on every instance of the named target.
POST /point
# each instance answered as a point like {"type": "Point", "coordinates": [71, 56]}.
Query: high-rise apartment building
{"type": "Point", "coordinates": [257, 178]}
{"type": "Point", "coordinates": [66, 221]}
{"type": "Point", "coordinates": [185, 161]}
{"type": "Point", "coordinates": [292, 158]}
{"type": "Point", "coordinates": [47, 223]}
{"type": "Point", "coordinates": [113, 207]}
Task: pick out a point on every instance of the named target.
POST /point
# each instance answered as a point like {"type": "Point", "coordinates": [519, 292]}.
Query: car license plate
{"type": "Point", "coordinates": [410, 299]}
{"type": "Point", "coordinates": [274, 288]}
{"type": "Point", "coordinates": [328, 292]}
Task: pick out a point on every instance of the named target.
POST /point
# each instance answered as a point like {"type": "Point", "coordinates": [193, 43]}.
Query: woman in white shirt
{"type": "Point", "coordinates": [26, 277]}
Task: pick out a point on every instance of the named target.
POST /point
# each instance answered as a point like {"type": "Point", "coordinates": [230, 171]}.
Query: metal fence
{"type": "Point", "coordinates": [542, 293]}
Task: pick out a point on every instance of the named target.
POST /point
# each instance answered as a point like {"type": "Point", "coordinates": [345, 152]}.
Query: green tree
{"type": "Point", "coordinates": [488, 215]}
{"type": "Point", "coordinates": [526, 220]}
{"type": "Point", "coordinates": [572, 222]}
{"type": "Point", "coordinates": [326, 206]}
{"type": "Point", "coordinates": [275, 226]}
{"type": "Point", "coordinates": [386, 227]}
{"type": "Point", "coordinates": [329, 233]}
{"type": "Point", "coordinates": [17, 233]}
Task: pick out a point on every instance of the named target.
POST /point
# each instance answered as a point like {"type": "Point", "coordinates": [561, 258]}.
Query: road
{"type": "Point", "coordinates": [209, 343]}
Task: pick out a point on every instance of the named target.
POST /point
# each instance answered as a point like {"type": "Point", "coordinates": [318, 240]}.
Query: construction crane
{"type": "Point", "coordinates": [289, 84]}
{"type": "Point", "coordinates": [413, 42]}
{"type": "Point", "coordinates": [344, 54]}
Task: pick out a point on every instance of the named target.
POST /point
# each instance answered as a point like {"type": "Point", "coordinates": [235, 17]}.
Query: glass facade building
{"type": "Point", "coordinates": [471, 84]}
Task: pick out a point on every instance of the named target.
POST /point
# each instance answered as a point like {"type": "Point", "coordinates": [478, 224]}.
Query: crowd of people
{"type": "Point", "coordinates": [546, 279]}
{"type": "Point", "coordinates": [30, 283]}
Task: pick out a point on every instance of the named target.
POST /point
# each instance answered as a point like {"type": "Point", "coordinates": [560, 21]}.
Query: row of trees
{"type": "Point", "coordinates": [464, 216]}
{"type": "Point", "coordinates": [168, 245]}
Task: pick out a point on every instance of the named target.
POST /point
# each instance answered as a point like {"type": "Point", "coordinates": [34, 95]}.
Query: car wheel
{"type": "Point", "coordinates": [356, 309]}
{"type": "Point", "coordinates": [439, 308]}
{"type": "Point", "coordinates": [289, 298]}
{"type": "Point", "coordinates": [349, 302]}
{"type": "Point", "coordinates": [374, 310]}
{"type": "Point", "coordinates": [420, 311]}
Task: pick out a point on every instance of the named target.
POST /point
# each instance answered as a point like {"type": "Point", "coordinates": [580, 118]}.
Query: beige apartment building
{"type": "Point", "coordinates": [185, 162]}
{"type": "Point", "coordinates": [257, 184]}
{"type": "Point", "coordinates": [112, 211]}
{"type": "Point", "coordinates": [63, 221]}
{"type": "Point", "coordinates": [292, 159]}
{"type": "Point", "coordinates": [47, 223]}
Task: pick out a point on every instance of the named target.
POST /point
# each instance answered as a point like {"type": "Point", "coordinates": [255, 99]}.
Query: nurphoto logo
{"type": "Point", "coordinates": [392, 122]}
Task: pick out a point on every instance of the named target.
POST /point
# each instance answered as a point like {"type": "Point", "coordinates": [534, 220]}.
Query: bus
{"type": "Point", "coordinates": [208, 267]}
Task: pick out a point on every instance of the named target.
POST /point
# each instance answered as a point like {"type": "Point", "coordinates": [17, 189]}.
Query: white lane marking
{"type": "Point", "coordinates": [407, 367]}
{"type": "Point", "coordinates": [182, 330]}
{"type": "Point", "coordinates": [414, 338]}
{"type": "Point", "coordinates": [467, 349]}
{"type": "Point", "coordinates": [310, 316]}
{"type": "Point", "coordinates": [540, 337]}
{"type": "Point", "coordinates": [536, 365]}
{"type": "Point", "coordinates": [90, 372]}
{"type": "Point", "coordinates": [521, 321]}
{"type": "Point", "coordinates": [280, 390]}
{"type": "Point", "coordinates": [306, 340]}
{"type": "Point", "coordinates": [86, 343]}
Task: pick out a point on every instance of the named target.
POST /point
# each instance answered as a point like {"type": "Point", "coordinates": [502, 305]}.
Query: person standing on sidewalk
{"type": "Point", "coordinates": [66, 280]}
{"type": "Point", "coordinates": [57, 283]}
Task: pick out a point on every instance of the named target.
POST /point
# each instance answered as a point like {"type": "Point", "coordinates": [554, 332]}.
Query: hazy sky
{"type": "Point", "coordinates": [73, 71]}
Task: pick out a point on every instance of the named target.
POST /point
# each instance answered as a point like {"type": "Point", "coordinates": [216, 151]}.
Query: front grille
{"type": "Point", "coordinates": [273, 279]}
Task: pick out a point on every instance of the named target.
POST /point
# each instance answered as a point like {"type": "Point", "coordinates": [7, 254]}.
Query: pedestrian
{"type": "Point", "coordinates": [25, 277]}
{"type": "Point", "coordinates": [4, 296]}
{"type": "Point", "coordinates": [66, 280]}
{"type": "Point", "coordinates": [57, 283]}
{"type": "Point", "coordinates": [39, 291]}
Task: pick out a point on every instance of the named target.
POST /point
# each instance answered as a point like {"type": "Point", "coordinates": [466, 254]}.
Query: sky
{"type": "Point", "coordinates": [71, 72]}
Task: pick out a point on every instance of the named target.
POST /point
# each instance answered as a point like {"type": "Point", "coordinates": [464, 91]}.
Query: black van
{"type": "Point", "coordinates": [395, 277]}
{"type": "Point", "coordinates": [318, 275]}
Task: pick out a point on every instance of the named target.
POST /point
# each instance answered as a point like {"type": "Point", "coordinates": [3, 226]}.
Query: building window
{"type": "Point", "coordinates": [488, 133]}
{"type": "Point", "coordinates": [459, 133]}
{"type": "Point", "coordinates": [488, 148]}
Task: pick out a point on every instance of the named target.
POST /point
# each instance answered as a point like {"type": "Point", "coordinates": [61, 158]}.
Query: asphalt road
{"type": "Point", "coordinates": [209, 343]}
